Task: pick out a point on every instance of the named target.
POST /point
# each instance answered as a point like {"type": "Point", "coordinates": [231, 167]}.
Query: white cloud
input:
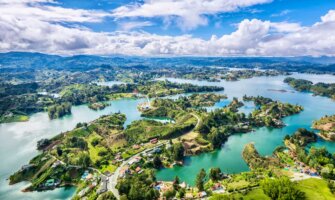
{"type": "Point", "coordinates": [127, 26]}
{"type": "Point", "coordinates": [38, 10]}
{"type": "Point", "coordinates": [190, 13]}
{"type": "Point", "coordinates": [33, 31]}
{"type": "Point", "coordinates": [282, 13]}
{"type": "Point", "coordinates": [330, 16]}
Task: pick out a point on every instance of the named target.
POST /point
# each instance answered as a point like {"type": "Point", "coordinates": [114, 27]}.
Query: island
{"type": "Point", "coordinates": [326, 125]}
{"type": "Point", "coordinates": [321, 89]}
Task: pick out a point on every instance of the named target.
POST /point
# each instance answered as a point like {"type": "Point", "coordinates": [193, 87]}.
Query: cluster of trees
{"type": "Point", "coordinates": [258, 100]}
{"type": "Point", "coordinates": [165, 88]}
{"type": "Point", "coordinates": [281, 188]}
{"type": "Point", "coordinates": [41, 144]}
{"type": "Point", "coordinates": [59, 110]}
{"type": "Point", "coordinates": [302, 137]}
{"type": "Point", "coordinates": [322, 89]}
{"type": "Point", "coordinates": [138, 187]}
{"type": "Point", "coordinates": [249, 73]}
{"type": "Point", "coordinates": [7, 89]}
{"type": "Point", "coordinates": [76, 142]}
{"type": "Point", "coordinates": [256, 161]}
{"type": "Point", "coordinates": [84, 93]}
{"type": "Point", "coordinates": [178, 151]}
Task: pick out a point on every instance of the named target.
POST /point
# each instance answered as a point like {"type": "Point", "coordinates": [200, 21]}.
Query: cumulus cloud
{"type": "Point", "coordinates": [127, 26]}
{"type": "Point", "coordinates": [252, 37]}
{"type": "Point", "coordinates": [51, 12]}
{"type": "Point", "coordinates": [189, 13]}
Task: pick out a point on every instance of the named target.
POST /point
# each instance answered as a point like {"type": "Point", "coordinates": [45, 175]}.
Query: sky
{"type": "Point", "coordinates": [169, 27]}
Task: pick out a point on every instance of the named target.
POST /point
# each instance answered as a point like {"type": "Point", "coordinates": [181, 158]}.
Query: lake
{"type": "Point", "coordinates": [229, 157]}
{"type": "Point", "coordinates": [18, 140]}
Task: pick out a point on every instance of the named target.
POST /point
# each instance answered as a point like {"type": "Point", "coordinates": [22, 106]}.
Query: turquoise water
{"type": "Point", "coordinates": [18, 140]}
{"type": "Point", "coordinates": [229, 158]}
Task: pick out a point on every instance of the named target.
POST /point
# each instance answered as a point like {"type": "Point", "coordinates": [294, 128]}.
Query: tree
{"type": "Point", "coordinates": [178, 151]}
{"type": "Point", "coordinates": [200, 180]}
{"type": "Point", "coordinates": [176, 182]}
{"type": "Point", "coordinates": [216, 137]}
{"type": "Point", "coordinates": [282, 189]}
{"type": "Point", "coordinates": [169, 194]}
{"type": "Point", "coordinates": [215, 174]}
{"type": "Point", "coordinates": [107, 196]}
{"type": "Point", "coordinates": [157, 162]}
{"type": "Point", "coordinates": [41, 144]}
{"type": "Point", "coordinates": [84, 160]}
{"type": "Point", "coordinates": [59, 151]}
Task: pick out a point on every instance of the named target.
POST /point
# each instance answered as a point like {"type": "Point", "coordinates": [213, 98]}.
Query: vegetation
{"type": "Point", "coordinates": [270, 112]}
{"type": "Point", "coordinates": [322, 89]}
{"type": "Point", "coordinates": [327, 127]}
{"type": "Point", "coordinates": [200, 180]}
{"type": "Point", "coordinates": [315, 189]}
{"type": "Point", "coordinates": [255, 161]}
{"type": "Point", "coordinates": [165, 88]}
{"type": "Point", "coordinates": [98, 105]}
{"type": "Point", "coordinates": [282, 188]}
{"type": "Point", "coordinates": [138, 187]}
{"type": "Point", "coordinates": [57, 111]}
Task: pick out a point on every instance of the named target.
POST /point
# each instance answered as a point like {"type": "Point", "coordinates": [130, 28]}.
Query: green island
{"type": "Point", "coordinates": [105, 158]}
{"type": "Point", "coordinates": [321, 89]}
{"type": "Point", "coordinates": [17, 107]}
{"type": "Point", "coordinates": [326, 125]}
{"type": "Point", "coordinates": [98, 105]}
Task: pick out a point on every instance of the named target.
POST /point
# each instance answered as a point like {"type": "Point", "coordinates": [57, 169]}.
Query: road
{"type": "Point", "coordinates": [198, 122]}
{"type": "Point", "coordinates": [112, 181]}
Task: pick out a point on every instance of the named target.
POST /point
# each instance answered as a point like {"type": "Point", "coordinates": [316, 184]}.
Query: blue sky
{"type": "Point", "coordinates": [305, 12]}
{"type": "Point", "coordinates": [169, 27]}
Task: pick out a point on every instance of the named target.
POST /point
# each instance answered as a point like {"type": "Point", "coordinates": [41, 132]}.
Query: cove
{"type": "Point", "coordinates": [229, 158]}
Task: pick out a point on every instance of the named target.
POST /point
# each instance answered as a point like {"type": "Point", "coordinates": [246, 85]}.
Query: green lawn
{"type": "Point", "coordinates": [315, 189]}
{"type": "Point", "coordinates": [256, 194]}
{"type": "Point", "coordinates": [110, 168]}
{"type": "Point", "coordinates": [14, 118]}
{"type": "Point", "coordinates": [237, 185]}
{"type": "Point", "coordinates": [94, 150]}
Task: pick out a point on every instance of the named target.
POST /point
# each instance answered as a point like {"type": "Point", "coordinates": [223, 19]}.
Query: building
{"type": "Point", "coordinates": [103, 185]}
{"type": "Point", "coordinates": [154, 140]}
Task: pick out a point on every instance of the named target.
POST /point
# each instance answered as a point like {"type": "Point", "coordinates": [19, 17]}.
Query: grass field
{"type": "Point", "coordinates": [14, 118]}
{"type": "Point", "coordinates": [315, 189]}
{"type": "Point", "coordinates": [255, 194]}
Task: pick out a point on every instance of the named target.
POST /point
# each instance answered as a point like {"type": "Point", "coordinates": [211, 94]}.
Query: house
{"type": "Point", "coordinates": [189, 196]}
{"type": "Point", "coordinates": [154, 140]}
{"type": "Point", "coordinates": [124, 171]}
{"type": "Point", "coordinates": [89, 177]}
{"type": "Point", "coordinates": [103, 185]}
{"type": "Point", "coordinates": [202, 194]}
{"type": "Point", "coordinates": [136, 146]}
{"type": "Point", "coordinates": [183, 185]}
{"type": "Point", "coordinates": [138, 169]}
{"type": "Point", "coordinates": [56, 164]}
{"type": "Point", "coordinates": [26, 167]}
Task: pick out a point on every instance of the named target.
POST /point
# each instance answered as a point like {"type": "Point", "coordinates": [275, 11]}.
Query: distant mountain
{"type": "Point", "coordinates": [25, 60]}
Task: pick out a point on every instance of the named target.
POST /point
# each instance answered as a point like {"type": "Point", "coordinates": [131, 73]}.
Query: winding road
{"type": "Point", "coordinates": [112, 181]}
